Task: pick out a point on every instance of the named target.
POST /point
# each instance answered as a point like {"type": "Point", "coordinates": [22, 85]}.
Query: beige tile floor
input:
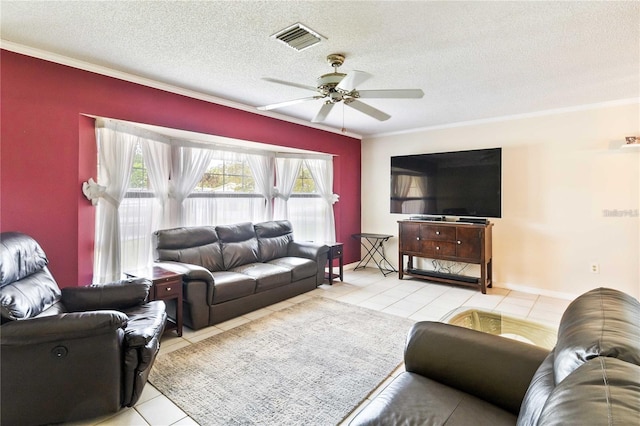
{"type": "Point", "coordinates": [415, 299]}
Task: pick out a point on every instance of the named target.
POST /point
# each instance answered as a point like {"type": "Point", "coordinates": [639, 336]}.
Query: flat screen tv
{"type": "Point", "coordinates": [461, 183]}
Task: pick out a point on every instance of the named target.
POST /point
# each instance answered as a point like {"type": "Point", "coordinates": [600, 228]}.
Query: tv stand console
{"type": "Point", "coordinates": [453, 241]}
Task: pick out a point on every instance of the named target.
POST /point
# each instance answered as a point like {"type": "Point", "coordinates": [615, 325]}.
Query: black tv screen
{"type": "Point", "coordinates": [461, 183]}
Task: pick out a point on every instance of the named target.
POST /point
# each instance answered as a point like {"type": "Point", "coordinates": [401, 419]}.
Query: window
{"type": "Point", "coordinates": [137, 218]}
{"type": "Point", "coordinates": [304, 182]}
{"type": "Point", "coordinates": [230, 176]}
{"type": "Point", "coordinates": [225, 194]}
{"type": "Point", "coordinates": [139, 180]}
{"type": "Point", "coordinates": [210, 186]}
{"type": "Point", "coordinates": [306, 208]}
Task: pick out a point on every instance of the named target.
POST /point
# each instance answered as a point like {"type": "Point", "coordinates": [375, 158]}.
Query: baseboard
{"type": "Point", "coordinates": [537, 291]}
{"type": "Point", "coordinates": [508, 286]}
{"type": "Point", "coordinates": [351, 266]}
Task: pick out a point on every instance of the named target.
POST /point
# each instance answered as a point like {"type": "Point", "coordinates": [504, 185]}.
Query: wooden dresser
{"type": "Point", "coordinates": [452, 241]}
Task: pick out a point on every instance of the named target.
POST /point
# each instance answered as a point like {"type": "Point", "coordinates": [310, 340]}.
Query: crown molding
{"type": "Point", "coordinates": [132, 78]}
{"type": "Point", "coordinates": [542, 113]}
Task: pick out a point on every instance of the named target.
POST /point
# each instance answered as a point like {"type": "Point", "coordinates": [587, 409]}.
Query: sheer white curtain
{"type": "Point", "coordinates": [157, 159]}
{"type": "Point", "coordinates": [141, 214]}
{"type": "Point", "coordinates": [187, 168]}
{"type": "Point", "coordinates": [223, 206]}
{"type": "Point", "coordinates": [116, 151]}
{"type": "Point", "coordinates": [322, 172]}
{"type": "Point", "coordinates": [263, 168]}
{"type": "Point", "coordinates": [287, 170]}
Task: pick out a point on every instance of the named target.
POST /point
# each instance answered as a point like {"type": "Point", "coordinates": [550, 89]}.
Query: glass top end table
{"type": "Point", "coordinates": [504, 325]}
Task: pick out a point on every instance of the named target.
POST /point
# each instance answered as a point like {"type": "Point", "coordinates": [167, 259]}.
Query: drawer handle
{"type": "Point", "coordinates": [418, 238]}
{"type": "Point", "coordinates": [459, 242]}
{"type": "Point", "coordinates": [437, 248]}
{"type": "Point", "coordinates": [168, 289]}
{"type": "Point", "coordinates": [437, 232]}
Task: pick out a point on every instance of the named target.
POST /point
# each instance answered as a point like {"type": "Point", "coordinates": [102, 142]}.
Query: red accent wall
{"type": "Point", "coordinates": [48, 149]}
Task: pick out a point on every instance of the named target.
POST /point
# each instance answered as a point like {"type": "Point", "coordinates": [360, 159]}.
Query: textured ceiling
{"type": "Point", "coordinates": [473, 60]}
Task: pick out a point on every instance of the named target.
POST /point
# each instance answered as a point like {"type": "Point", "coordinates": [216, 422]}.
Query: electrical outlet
{"type": "Point", "coordinates": [595, 268]}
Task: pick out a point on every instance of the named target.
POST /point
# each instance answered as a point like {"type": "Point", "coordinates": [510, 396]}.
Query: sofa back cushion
{"type": "Point", "coordinates": [239, 244]}
{"type": "Point", "coordinates": [26, 285]}
{"type": "Point", "coordinates": [537, 394]}
{"type": "Point", "coordinates": [198, 245]}
{"type": "Point", "coordinates": [273, 239]}
{"type": "Point", "coordinates": [600, 323]}
{"type": "Point", "coordinates": [602, 391]}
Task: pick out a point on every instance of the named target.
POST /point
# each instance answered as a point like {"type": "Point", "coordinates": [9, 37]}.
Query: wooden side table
{"type": "Point", "coordinates": [335, 252]}
{"type": "Point", "coordinates": [167, 286]}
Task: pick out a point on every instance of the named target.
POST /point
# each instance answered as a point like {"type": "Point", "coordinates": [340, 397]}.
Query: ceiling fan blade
{"type": "Point", "coordinates": [323, 113]}
{"type": "Point", "coordinates": [287, 103]}
{"type": "Point", "coordinates": [397, 94]}
{"type": "Point", "coordinates": [288, 83]}
{"type": "Point", "coordinates": [369, 110]}
{"type": "Point", "coordinates": [353, 80]}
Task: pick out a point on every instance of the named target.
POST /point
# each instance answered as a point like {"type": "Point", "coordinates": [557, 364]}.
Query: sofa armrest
{"type": "Point", "coordinates": [74, 325]}
{"type": "Point", "coordinates": [308, 250]}
{"type": "Point", "coordinates": [146, 322]}
{"type": "Point", "coordinates": [314, 251]}
{"type": "Point", "coordinates": [493, 368]}
{"type": "Point", "coordinates": [189, 271]}
{"type": "Point", "coordinates": [117, 295]}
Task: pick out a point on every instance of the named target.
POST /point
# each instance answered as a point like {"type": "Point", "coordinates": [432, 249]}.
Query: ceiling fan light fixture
{"type": "Point", "coordinates": [298, 37]}
{"type": "Point", "coordinates": [327, 82]}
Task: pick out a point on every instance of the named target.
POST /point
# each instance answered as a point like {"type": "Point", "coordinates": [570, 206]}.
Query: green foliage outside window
{"type": "Point", "coordinates": [222, 176]}
{"type": "Point", "coordinates": [304, 182]}
{"type": "Point", "coordinates": [139, 180]}
{"type": "Point", "coordinates": [227, 176]}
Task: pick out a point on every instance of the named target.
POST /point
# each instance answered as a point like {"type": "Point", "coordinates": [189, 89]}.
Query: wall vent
{"type": "Point", "coordinates": [298, 36]}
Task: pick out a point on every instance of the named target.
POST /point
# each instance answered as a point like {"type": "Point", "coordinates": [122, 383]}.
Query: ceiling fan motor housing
{"type": "Point", "coordinates": [328, 82]}
{"type": "Point", "coordinates": [335, 60]}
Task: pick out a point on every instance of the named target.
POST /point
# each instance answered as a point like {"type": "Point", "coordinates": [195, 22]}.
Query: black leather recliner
{"type": "Point", "coordinates": [73, 353]}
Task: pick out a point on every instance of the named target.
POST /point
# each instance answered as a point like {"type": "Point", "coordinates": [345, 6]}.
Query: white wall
{"type": "Point", "coordinates": [560, 173]}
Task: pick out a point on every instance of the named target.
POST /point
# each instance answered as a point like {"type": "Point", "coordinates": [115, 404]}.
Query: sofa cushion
{"type": "Point", "coordinates": [602, 391]}
{"type": "Point", "coordinates": [239, 244]}
{"type": "Point", "coordinates": [273, 239]}
{"type": "Point", "coordinates": [300, 268]}
{"type": "Point", "coordinates": [232, 285]}
{"type": "Point", "coordinates": [411, 399]}
{"type": "Point", "coordinates": [28, 297]}
{"type": "Point", "coordinates": [20, 256]}
{"type": "Point", "coordinates": [236, 232]}
{"type": "Point", "coordinates": [27, 286]}
{"type": "Point", "coordinates": [601, 322]}
{"type": "Point", "coordinates": [240, 253]}
{"type": "Point", "coordinates": [198, 245]}
{"type": "Point", "coordinates": [267, 276]}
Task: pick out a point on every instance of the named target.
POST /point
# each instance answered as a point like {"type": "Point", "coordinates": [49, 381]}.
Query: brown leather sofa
{"type": "Point", "coordinates": [230, 270]}
{"type": "Point", "coordinates": [457, 376]}
{"type": "Point", "coordinates": [73, 353]}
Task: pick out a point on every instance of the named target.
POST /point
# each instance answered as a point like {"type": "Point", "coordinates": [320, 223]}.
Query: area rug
{"type": "Point", "coordinates": [309, 364]}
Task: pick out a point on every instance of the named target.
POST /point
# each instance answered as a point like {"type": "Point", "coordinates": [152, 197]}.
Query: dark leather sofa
{"type": "Point", "coordinates": [230, 270]}
{"type": "Point", "coordinates": [457, 376]}
{"type": "Point", "coordinates": [73, 353]}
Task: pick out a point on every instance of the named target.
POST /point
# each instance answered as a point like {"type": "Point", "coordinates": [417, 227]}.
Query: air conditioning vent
{"type": "Point", "coordinates": [298, 37]}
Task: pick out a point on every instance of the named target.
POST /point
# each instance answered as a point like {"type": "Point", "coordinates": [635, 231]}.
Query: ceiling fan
{"type": "Point", "coordinates": [338, 87]}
